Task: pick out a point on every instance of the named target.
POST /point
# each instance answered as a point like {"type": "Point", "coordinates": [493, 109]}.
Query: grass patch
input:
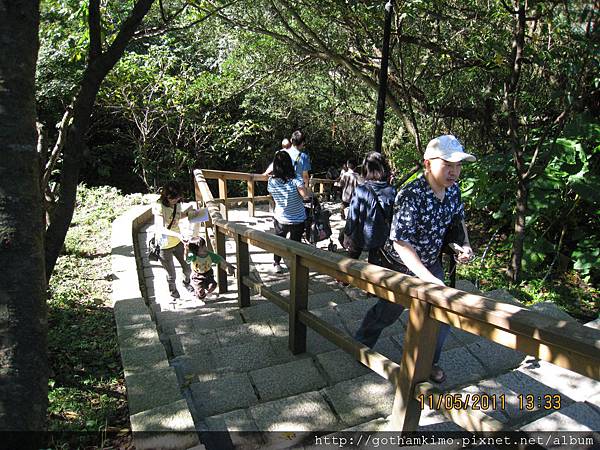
{"type": "Point", "coordinates": [86, 385]}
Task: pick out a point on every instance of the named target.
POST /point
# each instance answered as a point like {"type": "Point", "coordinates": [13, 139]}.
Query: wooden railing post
{"type": "Point", "coordinates": [243, 269]}
{"type": "Point", "coordinates": [251, 195]}
{"type": "Point", "coordinates": [221, 274]}
{"type": "Point", "coordinates": [417, 357]}
{"type": "Point", "coordinates": [197, 193]}
{"type": "Point", "coordinates": [223, 195]}
{"type": "Point", "coordinates": [298, 302]}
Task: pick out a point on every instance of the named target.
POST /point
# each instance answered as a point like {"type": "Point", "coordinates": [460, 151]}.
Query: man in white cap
{"type": "Point", "coordinates": [423, 211]}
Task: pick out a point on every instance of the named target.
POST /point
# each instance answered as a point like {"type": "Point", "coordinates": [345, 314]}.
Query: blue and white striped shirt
{"type": "Point", "coordinates": [289, 207]}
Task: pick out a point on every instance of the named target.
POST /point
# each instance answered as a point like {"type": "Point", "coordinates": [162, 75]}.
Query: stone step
{"type": "Point", "coordinates": [212, 363]}
{"type": "Point", "coordinates": [355, 394]}
{"type": "Point", "coordinates": [241, 390]}
{"type": "Point", "coordinates": [181, 320]}
{"type": "Point", "coordinates": [360, 404]}
{"type": "Point", "coordinates": [224, 329]}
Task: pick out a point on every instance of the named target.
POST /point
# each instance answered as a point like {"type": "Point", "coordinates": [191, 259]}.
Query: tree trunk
{"type": "Point", "coordinates": [99, 64]}
{"type": "Point", "coordinates": [511, 92]}
{"type": "Point", "coordinates": [73, 158]}
{"type": "Point", "coordinates": [23, 314]}
{"type": "Point", "coordinates": [519, 238]}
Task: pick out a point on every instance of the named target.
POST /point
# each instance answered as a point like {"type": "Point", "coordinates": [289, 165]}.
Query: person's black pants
{"type": "Point", "coordinates": [295, 231]}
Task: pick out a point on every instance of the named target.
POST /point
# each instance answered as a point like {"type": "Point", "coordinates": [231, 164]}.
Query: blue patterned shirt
{"type": "Point", "coordinates": [421, 219]}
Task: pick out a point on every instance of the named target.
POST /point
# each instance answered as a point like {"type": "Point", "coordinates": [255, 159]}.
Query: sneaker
{"type": "Point", "coordinates": [173, 291]}
{"type": "Point", "coordinates": [188, 286]}
{"type": "Point", "coordinates": [437, 374]}
{"type": "Point", "coordinates": [277, 268]}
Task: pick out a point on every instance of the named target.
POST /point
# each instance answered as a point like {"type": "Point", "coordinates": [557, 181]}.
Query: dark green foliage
{"type": "Point", "coordinates": [563, 196]}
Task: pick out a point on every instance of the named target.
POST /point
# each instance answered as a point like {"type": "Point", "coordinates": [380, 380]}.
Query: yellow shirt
{"type": "Point", "coordinates": [166, 212]}
{"type": "Point", "coordinates": [202, 264]}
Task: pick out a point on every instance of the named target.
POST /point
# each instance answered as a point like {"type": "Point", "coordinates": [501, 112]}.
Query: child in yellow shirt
{"type": "Point", "coordinates": [201, 261]}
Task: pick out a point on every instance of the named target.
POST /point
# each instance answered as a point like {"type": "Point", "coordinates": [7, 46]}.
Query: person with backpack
{"type": "Point", "coordinates": [337, 191]}
{"type": "Point", "coordinates": [423, 211]}
{"type": "Point", "coordinates": [370, 209]}
{"type": "Point", "coordinates": [167, 213]}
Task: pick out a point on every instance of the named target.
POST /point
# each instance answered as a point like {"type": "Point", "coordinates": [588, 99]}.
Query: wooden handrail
{"type": "Point", "coordinates": [242, 176]}
{"type": "Point", "coordinates": [239, 176]}
{"type": "Point", "coordinates": [564, 343]}
{"type": "Point", "coordinates": [250, 178]}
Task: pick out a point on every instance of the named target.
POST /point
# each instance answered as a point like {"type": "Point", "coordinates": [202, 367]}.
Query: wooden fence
{"type": "Point", "coordinates": [224, 200]}
{"type": "Point", "coordinates": [564, 343]}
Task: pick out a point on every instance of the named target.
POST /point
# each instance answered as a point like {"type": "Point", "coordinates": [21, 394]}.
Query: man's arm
{"type": "Point", "coordinates": [306, 179]}
{"type": "Point", "coordinates": [412, 261]}
{"type": "Point", "coordinates": [306, 166]}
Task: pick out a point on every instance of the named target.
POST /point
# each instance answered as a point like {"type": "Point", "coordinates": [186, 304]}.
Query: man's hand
{"type": "Point", "coordinates": [465, 254]}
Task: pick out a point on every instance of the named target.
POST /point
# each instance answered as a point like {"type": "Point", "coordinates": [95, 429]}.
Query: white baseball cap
{"type": "Point", "coordinates": [447, 148]}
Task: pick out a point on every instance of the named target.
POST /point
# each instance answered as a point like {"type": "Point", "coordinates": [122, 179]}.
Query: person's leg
{"type": "Point", "coordinates": [381, 315]}
{"type": "Point", "coordinates": [209, 281]}
{"type": "Point", "coordinates": [375, 257]}
{"type": "Point", "coordinates": [296, 231]}
{"type": "Point", "coordinates": [344, 206]}
{"type": "Point", "coordinates": [354, 253]}
{"type": "Point", "coordinates": [437, 373]}
{"type": "Point", "coordinates": [185, 267]}
{"type": "Point", "coordinates": [166, 260]}
{"type": "Point", "coordinates": [280, 230]}
{"type": "Point", "coordinates": [197, 283]}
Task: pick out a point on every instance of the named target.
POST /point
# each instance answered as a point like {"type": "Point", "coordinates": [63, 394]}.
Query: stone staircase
{"type": "Point", "coordinates": [235, 370]}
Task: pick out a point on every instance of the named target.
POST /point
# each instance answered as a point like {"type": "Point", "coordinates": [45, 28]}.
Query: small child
{"type": "Point", "coordinates": [201, 261]}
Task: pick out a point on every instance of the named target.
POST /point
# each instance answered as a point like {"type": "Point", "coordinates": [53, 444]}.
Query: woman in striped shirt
{"type": "Point", "coordinates": [287, 192]}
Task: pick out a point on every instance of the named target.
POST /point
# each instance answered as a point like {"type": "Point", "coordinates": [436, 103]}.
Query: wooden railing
{"type": "Point", "coordinates": [250, 180]}
{"type": "Point", "coordinates": [564, 343]}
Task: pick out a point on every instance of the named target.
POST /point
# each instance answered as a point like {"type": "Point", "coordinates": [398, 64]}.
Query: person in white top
{"type": "Point", "coordinates": [348, 182]}
{"type": "Point", "coordinates": [300, 159]}
{"type": "Point", "coordinates": [285, 145]}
